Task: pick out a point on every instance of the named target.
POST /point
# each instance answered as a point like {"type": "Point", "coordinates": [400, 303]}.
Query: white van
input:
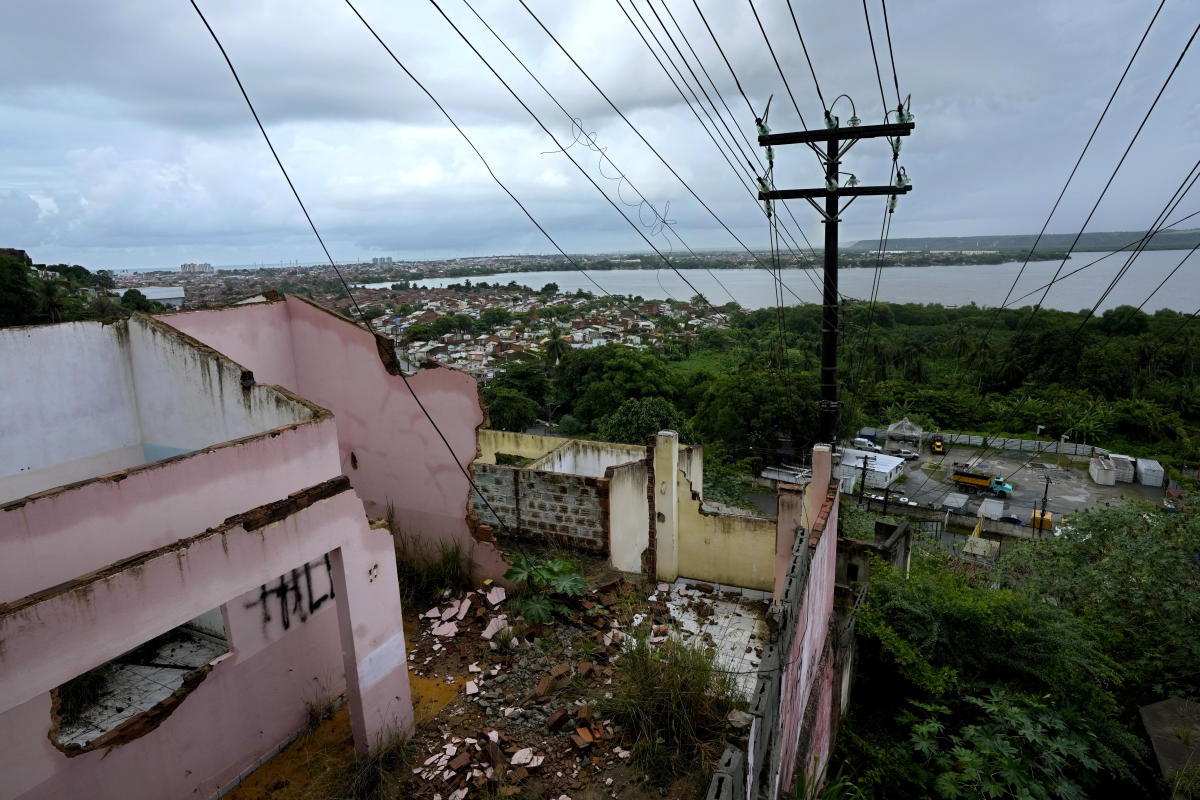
{"type": "Point", "coordinates": [860, 443]}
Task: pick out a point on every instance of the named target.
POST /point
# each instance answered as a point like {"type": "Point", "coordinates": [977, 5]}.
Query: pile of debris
{"type": "Point", "coordinates": [528, 712]}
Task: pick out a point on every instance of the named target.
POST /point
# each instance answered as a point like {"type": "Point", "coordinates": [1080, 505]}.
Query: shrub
{"type": "Point", "coordinates": [675, 701]}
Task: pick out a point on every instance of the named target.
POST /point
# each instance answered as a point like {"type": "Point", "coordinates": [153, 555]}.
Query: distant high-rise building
{"type": "Point", "coordinates": [385, 261]}
{"type": "Point", "coordinates": [192, 266]}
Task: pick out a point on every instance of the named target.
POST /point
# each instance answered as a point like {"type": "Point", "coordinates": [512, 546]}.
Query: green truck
{"type": "Point", "coordinates": [975, 482]}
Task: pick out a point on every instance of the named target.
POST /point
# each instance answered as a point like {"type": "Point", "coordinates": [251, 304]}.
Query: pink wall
{"type": "Point", "coordinates": [400, 457]}
{"type": "Point", "coordinates": [808, 678]}
{"type": "Point", "coordinates": [60, 535]}
{"type": "Point", "coordinates": [253, 699]}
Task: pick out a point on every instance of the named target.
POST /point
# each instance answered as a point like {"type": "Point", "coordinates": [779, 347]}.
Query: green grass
{"type": "Point", "coordinates": [425, 573]}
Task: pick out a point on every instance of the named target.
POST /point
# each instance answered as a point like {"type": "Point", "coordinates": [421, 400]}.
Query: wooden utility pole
{"type": "Point", "coordinates": [838, 140]}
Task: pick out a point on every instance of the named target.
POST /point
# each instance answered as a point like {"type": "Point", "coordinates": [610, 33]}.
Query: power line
{"type": "Point", "coordinates": [332, 263]}
{"type": "Point", "coordinates": [752, 149]}
{"type": "Point", "coordinates": [891, 54]}
{"type": "Point", "coordinates": [1092, 263]}
{"type": "Point", "coordinates": [804, 47]}
{"type": "Point", "coordinates": [1075, 168]}
{"type": "Point", "coordinates": [570, 158]}
{"type": "Point", "coordinates": [875, 57]}
{"type": "Point", "coordinates": [591, 144]}
{"type": "Point", "coordinates": [1116, 169]}
{"type": "Point", "coordinates": [1172, 204]}
{"type": "Point", "coordinates": [638, 133]}
{"type": "Point", "coordinates": [783, 77]}
{"type": "Point", "coordinates": [704, 127]}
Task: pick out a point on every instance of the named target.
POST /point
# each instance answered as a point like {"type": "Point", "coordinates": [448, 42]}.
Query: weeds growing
{"type": "Point", "coordinates": [381, 775]}
{"type": "Point", "coordinates": [426, 573]}
{"type": "Point", "coordinates": [675, 702]}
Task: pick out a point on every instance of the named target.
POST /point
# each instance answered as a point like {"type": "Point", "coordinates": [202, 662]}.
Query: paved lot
{"type": "Point", "coordinates": [1071, 488]}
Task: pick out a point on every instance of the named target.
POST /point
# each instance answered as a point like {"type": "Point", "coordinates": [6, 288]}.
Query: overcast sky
{"type": "Point", "coordinates": [125, 143]}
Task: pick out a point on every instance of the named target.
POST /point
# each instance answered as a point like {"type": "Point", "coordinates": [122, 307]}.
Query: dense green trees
{"type": "Point", "coordinates": [965, 690]}
{"type": "Point", "coordinates": [1025, 680]}
{"type": "Point", "coordinates": [58, 293]}
{"type": "Point", "coordinates": [636, 420]}
{"type": "Point", "coordinates": [508, 409]}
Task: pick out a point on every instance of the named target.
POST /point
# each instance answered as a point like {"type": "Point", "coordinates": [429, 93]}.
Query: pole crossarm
{"type": "Point", "coordinates": [841, 191]}
{"type": "Point", "coordinates": [837, 134]}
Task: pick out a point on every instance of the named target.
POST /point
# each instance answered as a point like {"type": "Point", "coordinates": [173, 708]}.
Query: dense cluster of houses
{"type": "Point", "coordinates": [483, 355]}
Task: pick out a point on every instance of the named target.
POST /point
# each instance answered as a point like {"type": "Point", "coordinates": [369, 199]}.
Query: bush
{"type": "Point", "coordinates": [425, 573]}
{"type": "Point", "coordinates": [383, 774]}
{"type": "Point", "coordinates": [675, 701]}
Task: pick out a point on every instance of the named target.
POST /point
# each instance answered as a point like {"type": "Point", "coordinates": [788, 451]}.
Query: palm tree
{"type": "Point", "coordinates": [556, 346]}
{"type": "Point", "coordinates": [51, 292]}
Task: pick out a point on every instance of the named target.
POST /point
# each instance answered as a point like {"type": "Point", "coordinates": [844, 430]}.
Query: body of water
{"type": "Point", "coordinates": [985, 285]}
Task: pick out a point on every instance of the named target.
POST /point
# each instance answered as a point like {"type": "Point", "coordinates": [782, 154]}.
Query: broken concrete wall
{"type": "Point", "coordinates": [45, 420]}
{"type": "Point", "coordinates": [58, 535]}
{"type": "Point", "coordinates": [588, 458]}
{"type": "Point", "coordinates": [252, 699]}
{"type": "Point", "coordinates": [570, 510]}
{"type": "Point", "coordinates": [525, 445]}
{"type": "Point", "coordinates": [96, 398]}
{"type": "Point", "coordinates": [388, 447]}
{"type": "Point", "coordinates": [733, 549]}
{"type": "Point", "coordinates": [629, 514]}
{"type": "Point", "coordinates": [691, 461]}
{"type": "Point", "coordinates": [545, 506]}
{"type": "Point", "coordinates": [793, 713]}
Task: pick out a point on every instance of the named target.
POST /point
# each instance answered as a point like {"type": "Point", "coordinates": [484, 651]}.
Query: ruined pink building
{"type": "Point", "coordinates": [186, 561]}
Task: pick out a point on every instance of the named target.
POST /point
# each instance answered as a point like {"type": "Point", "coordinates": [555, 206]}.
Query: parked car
{"type": "Point", "coordinates": [907, 455]}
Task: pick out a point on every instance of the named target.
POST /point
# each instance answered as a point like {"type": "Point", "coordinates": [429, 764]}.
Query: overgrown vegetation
{"type": "Point", "coordinates": [1126, 380]}
{"type": "Point", "coordinates": [383, 774]}
{"type": "Point", "coordinates": [32, 294]}
{"type": "Point", "coordinates": [1025, 680]}
{"type": "Point", "coordinates": [675, 701]}
{"type": "Point", "coordinates": [542, 584]}
{"type": "Point", "coordinates": [426, 573]}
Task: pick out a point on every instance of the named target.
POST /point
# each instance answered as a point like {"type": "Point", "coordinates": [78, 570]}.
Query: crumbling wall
{"type": "Point", "coordinates": [570, 510]}
{"type": "Point", "coordinates": [342, 632]}
{"type": "Point", "coordinates": [792, 710]}
{"type": "Point", "coordinates": [588, 458]}
{"type": "Point", "coordinates": [629, 514]}
{"type": "Point", "coordinates": [45, 420]}
{"type": "Point", "coordinates": [733, 549]}
{"type": "Point", "coordinates": [388, 447]}
{"type": "Point", "coordinates": [525, 445]}
{"type": "Point", "coordinates": [57, 535]}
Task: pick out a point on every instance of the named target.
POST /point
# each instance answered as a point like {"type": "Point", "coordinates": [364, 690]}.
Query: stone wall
{"type": "Point", "coordinates": [544, 506]}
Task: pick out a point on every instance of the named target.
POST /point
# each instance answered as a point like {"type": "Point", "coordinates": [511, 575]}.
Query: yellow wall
{"type": "Point", "coordinates": [525, 445]}
{"type": "Point", "coordinates": [724, 548]}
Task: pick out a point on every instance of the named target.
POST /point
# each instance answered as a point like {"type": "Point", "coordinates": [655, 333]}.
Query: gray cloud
{"type": "Point", "coordinates": [125, 142]}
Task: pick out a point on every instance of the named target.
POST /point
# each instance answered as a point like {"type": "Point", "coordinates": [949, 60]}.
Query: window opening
{"type": "Point", "coordinates": [103, 699]}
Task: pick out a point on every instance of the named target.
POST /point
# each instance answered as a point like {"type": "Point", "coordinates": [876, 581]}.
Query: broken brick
{"type": "Point", "coordinates": [557, 719]}
{"type": "Point", "coordinates": [560, 670]}
{"type": "Point", "coordinates": [459, 761]}
{"type": "Point", "coordinates": [580, 742]}
{"type": "Point", "coordinates": [584, 715]}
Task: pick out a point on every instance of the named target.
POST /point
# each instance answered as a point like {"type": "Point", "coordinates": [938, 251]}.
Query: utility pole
{"type": "Point", "coordinates": [1045, 497]}
{"type": "Point", "coordinates": [862, 484]}
{"type": "Point", "coordinates": [838, 140]}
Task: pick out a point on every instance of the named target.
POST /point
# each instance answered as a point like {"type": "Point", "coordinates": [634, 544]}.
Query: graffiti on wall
{"type": "Point", "coordinates": [297, 594]}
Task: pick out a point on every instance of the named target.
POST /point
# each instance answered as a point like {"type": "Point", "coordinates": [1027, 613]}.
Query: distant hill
{"type": "Point", "coordinates": [1094, 242]}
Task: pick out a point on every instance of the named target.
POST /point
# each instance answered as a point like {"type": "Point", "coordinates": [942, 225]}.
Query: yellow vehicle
{"type": "Point", "coordinates": [936, 445]}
